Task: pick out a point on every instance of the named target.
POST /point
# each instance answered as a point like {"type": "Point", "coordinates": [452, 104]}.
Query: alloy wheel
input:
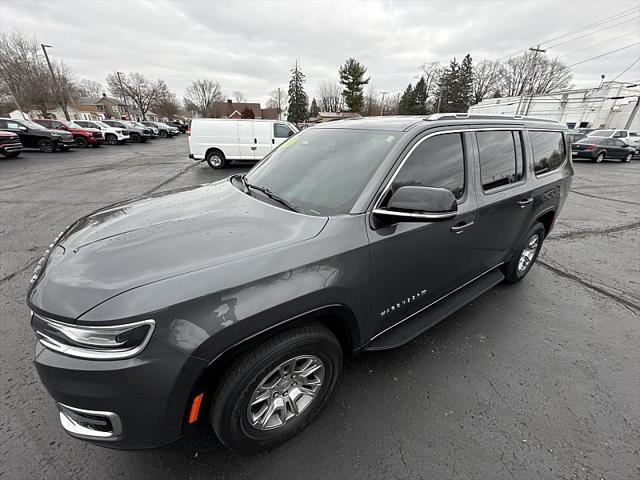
{"type": "Point", "coordinates": [528, 252]}
{"type": "Point", "coordinates": [285, 392]}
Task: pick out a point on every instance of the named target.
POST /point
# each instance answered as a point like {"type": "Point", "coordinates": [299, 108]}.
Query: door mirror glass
{"type": "Point", "coordinates": [416, 203]}
{"type": "Point", "coordinates": [22, 128]}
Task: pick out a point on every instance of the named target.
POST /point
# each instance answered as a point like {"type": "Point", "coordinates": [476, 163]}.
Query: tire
{"type": "Point", "coordinates": [599, 158]}
{"type": "Point", "coordinates": [515, 271]}
{"type": "Point", "coordinates": [216, 159]}
{"type": "Point", "coordinates": [81, 142]}
{"type": "Point", "coordinates": [111, 139]}
{"type": "Point", "coordinates": [135, 137]}
{"type": "Point", "coordinates": [64, 149]}
{"type": "Point", "coordinates": [46, 146]}
{"type": "Point", "coordinates": [230, 415]}
{"type": "Point", "coordinates": [628, 158]}
{"type": "Point", "coordinates": [163, 134]}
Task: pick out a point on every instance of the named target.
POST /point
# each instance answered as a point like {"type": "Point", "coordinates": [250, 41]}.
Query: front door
{"type": "Point", "coordinates": [414, 264]}
{"type": "Point", "coordinates": [28, 140]}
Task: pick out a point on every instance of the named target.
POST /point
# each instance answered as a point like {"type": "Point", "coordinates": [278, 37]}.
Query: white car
{"type": "Point", "coordinates": [625, 135]}
{"type": "Point", "coordinates": [163, 129]}
{"type": "Point", "coordinates": [112, 135]}
{"type": "Point", "coordinates": [220, 141]}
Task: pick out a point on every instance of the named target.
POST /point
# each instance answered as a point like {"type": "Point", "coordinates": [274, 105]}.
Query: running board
{"type": "Point", "coordinates": [441, 309]}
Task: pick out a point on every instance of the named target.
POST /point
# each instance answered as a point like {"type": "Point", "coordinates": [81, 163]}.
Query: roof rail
{"type": "Point", "coordinates": [483, 116]}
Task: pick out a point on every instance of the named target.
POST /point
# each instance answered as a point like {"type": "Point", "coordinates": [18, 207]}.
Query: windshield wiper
{"type": "Point", "coordinates": [271, 195]}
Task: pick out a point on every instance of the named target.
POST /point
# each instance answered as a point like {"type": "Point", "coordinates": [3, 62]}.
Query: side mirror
{"type": "Point", "coordinates": [420, 204]}
{"type": "Point", "coordinates": [23, 129]}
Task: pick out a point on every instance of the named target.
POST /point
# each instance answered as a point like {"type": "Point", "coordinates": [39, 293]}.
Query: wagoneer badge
{"type": "Point", "coordinates": [403, 302]}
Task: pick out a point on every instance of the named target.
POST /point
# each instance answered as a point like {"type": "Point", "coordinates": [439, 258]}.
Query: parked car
{"type": "Point", "coordinates": [221, 141]}
{"type": "Point", "coordinates": [136, 134]}
{"type": "Point", "coordinates": [84, 137]}
{"type": "Point", "coordinates": [599, 148]}
{"type": "Point", "coordinates": [155, 131]}
{"type": "Point", "coordinates": [164, 130]}
{"type": "Point", "coordinates": [10, 145]}
{"type": "Point", "coordinates": [182, 127]}
{"type": "Point", "coordinates": [624, 135]}
{"type": "Point", "coordinates": [234, 302]}
{"type": "Point", "coordinates": [112, 135]}
{"type": "Point", "coordinates": [575, 135]}
{"type": "Point", "coordinates": [150, 132]}
{"type": "Point", "coordinates": [33, 135]}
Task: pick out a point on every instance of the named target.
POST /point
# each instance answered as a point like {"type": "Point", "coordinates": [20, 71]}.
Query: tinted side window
{"type": "Point", "coordinates": [436, 162]}
{"type": "Point", "coordinates": [548, 151]}
{"type": "Point", "coordinates": [281, 131]}
{"type": "Point", "coordinates": [500, 158]}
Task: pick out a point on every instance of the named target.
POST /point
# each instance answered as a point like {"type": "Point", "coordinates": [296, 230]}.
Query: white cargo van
{"type": "Point", "coordinates": [220, 141]}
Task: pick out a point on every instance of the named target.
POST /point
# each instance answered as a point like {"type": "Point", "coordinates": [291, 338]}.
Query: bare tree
{"type": "Point", "coordinates": [431, 72]}
{"type": "Point", "coordinates": [533, 73]}
{"type": "Point", "coordinates": [135, 87]}
{"type": "Point", "coordinates": [371, 103]}
{"type": "Point", "coordinates": [166, 106]}
{"type": "Point", "coordinates": [486, 77]}
{"type": "Point", "coordinates": [330, 96]}
{"type": "Point", "coordinates": [89, 88]}
{"type": "Point", "coordinates": [278, 99]}
{"type": "Point", "coordinates": [238, 96]}
{"type": "Point", "coordinates": [201, 95]}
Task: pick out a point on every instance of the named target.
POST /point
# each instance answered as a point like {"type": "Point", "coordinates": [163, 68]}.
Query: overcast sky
{"type": "Point", "coordinates": [251, 46]}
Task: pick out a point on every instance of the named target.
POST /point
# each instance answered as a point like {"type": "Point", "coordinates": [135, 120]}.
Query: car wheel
{"type": "Point", "coordinates": [275, 390]}
{"type": "Point", "coordinates": [46, 146]}
{"type": "Point", "coordinates": [215, 159]}
{"type": "Point", "coordinates": [525, 255]}
{"type": "Point", "coordinates": [628, 157]}
{"type": "Point", "coordinates": [600, 157]}
{"type": "Point", "coordinates": [135, 138]}
{"type": "Point", "coordinates": [81, 142]}
{"type": "Point", "coordinates": [163, 134]}
{"type": "Point", "coordinates": [111, 139]}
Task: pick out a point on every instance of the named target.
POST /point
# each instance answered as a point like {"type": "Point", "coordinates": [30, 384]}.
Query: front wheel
{"type": "Point", "coordinates": [628, 157]}
{"type": "Point", "coordinates": [135, 138]}
{"type": "Point", "coordinates": [81, 142]}
{"type": "Point", "coordinates": [111, 139]}
{"type": "Point", "coordinates": [525, 255]}
{"type": "Point", "coordinates": [275, 390]}
{"type": "Point", "coordinates": [46, 146]}
{"type": "Point", "coordinates": [163, 134]}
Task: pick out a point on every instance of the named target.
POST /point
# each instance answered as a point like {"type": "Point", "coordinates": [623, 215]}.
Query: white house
{"type": "Point", "coordinates": [614, 105]}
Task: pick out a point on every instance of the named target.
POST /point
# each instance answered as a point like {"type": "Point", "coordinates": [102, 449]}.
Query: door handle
{"type": "Point", "coordinates": [254, 148]}
{"type": "Point", "coordinates": [524, 202]}
{"type": "Point", "coordinates": [458, 229]}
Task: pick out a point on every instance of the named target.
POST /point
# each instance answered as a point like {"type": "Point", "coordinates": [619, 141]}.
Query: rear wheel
{"type": "Point", "coordinates": [81, 142]}
{"type": "Point", "coordinates": [111, 139]}
{"type": "Point", "coordinates": [628, 157]}
{"type": "Point", "coordinates": [525, 254]}
{"type": "Point", "coordinates": [215, 159]}
{"type": "Point", "coordinates": [275, 390]}
{"type": "Point", "coordinates": [135, 138]}
{"type": "Point", "coordinates": [46, 146]}
{"type": "Point", "coordinates": [600, 157]}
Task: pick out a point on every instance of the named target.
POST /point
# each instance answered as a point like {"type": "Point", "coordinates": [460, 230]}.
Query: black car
{"type": "Point", "coordinates": [598, 149]}
{"type": "Point", "coordinates": [136, 134]}
{"type": "Point", "coordinates": [183, 127]}
{"type": "Point", "coordinates": [10, 145]}
{"type": "Point", "coordinates": [233, 303]}
{"type": "Point", "coordinates": [33, 135]}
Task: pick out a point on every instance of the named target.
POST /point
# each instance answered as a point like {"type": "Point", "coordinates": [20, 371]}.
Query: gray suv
{"type": "Point", "coordinates": [233, 304]}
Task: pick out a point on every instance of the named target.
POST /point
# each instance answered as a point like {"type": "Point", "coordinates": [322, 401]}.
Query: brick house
{"type": "Point", "coordinates": [229, 109]}
{"type": "Point", "coordinates": [113, 108]}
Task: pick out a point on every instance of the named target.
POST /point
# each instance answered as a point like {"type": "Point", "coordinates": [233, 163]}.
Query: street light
{"type": "Point", "coordinates": [55, 82]}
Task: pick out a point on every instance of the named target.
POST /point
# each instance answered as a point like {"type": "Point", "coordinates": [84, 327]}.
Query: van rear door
{"type": "Point", "coordinates": [263, 138]}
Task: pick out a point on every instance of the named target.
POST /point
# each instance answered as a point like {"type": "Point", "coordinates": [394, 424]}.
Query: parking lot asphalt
{"type": "Point", "coordinates": [537, 380]}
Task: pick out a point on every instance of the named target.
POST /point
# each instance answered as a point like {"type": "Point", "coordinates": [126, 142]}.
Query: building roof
{"type": "Point", "coordinates": [270, 114]}
{"type": "Point", "coordinates": [225, 109]}
{"type": "Point", "coordinates": [96, 100]}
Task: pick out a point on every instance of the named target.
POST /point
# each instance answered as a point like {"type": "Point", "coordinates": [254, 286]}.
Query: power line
{"type": "Point", "coordinates": [599, 44]}
{"type": "Point", "coordinates": [591, 33]}
{"type": "Point", "coordinates": [603, 55]}
{"type": "Point", "coordinates": [625, 70]}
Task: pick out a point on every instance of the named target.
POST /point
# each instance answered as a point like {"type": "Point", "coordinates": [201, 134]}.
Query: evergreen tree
{"type": "Point", "coordinates": [447, 88]}
{"type": "Point", "coordinates": [298, 100]}
{"type": "Point", "coordinates": [420, 96]}
{"type": "Point", "coordinates": [465, 85]}
{"type": "Point", "coordinates": [407, 101]}
{"type": "Point", "coordinates": [313, 111]}
{"type": "Point", "coordinates": [352, 77]}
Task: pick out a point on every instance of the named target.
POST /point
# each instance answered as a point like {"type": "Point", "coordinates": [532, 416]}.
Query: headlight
{"type": "Point", "coordinates": [56, 135]}
{"type": "Point", "coordinates": [94, 343]}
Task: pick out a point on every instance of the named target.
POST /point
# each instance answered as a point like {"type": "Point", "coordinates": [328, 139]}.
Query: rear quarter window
{"type": "Point", "coordinates": [549, 151]}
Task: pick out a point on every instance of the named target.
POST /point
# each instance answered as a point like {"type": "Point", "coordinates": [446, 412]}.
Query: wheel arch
{"type": "Point", "coordinates": [339, 319]}
{"type": "Point", "coordinates": [546, 219]}
{"type": "Point", "coordinates": [215, 150]}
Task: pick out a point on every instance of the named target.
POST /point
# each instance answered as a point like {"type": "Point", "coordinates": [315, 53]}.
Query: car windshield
{"type": "Point", "coordinates": [33, 125]}
{"type": "Point", "coordinates": [322, 171]}
{"type": "Point", "coordinates": [70, 124]}
{"type": "Point", "coordinates": [131, 124]}
{"type": "Point", "coordinates": [601, 133]}
{"type": "Point", "coordinates": [102, 124]}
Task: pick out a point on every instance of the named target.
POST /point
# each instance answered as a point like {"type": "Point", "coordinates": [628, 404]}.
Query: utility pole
{"type": "Point", "coordinates": [55, 83]}
{"type": "Point", "coordinates": [382, 103]}
{"type": "Point", "coordinates": [124, 98]}
{"type": "Point", "coordinates": [536, 51]}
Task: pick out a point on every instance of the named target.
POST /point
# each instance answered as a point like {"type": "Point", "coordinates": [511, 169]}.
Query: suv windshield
{"type": "Point", "coordinates": [102, 124]}
{"type": "Point", "coordinates": [601, 133]}
{"type": "Point", "coordinates": [322, 171]}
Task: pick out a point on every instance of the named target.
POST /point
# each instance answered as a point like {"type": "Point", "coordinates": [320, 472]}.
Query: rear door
{"type": "Point", "coordinates": [27, 139]}
{"type": "Point", "coordinates": [246, 143]}
{"type": "Point", "coordinates": [505, 199]}
{"type": "Point", "coordinates": [263, 138]}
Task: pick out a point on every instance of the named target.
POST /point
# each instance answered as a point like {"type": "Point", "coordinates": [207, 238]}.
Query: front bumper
{"type": "Point", "coordinates": [95, 140]}
{"type": "Point", "coordinates": [10, 147]}
{"type": "Point", "coordinates": [138, 402]}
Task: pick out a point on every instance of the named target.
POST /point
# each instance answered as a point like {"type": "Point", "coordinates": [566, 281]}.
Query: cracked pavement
{"type": "Point", "coordinates": [537, 380]}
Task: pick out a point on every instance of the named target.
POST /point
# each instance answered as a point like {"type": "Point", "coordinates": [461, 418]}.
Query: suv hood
{"type": "Point", "coordinates": [156, 237]}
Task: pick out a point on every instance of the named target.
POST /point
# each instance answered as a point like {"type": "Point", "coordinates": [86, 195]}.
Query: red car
{"type": "Point", "coordinates": [81, 135]}
{"type": "Point", "coordinates": [10, 144]}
